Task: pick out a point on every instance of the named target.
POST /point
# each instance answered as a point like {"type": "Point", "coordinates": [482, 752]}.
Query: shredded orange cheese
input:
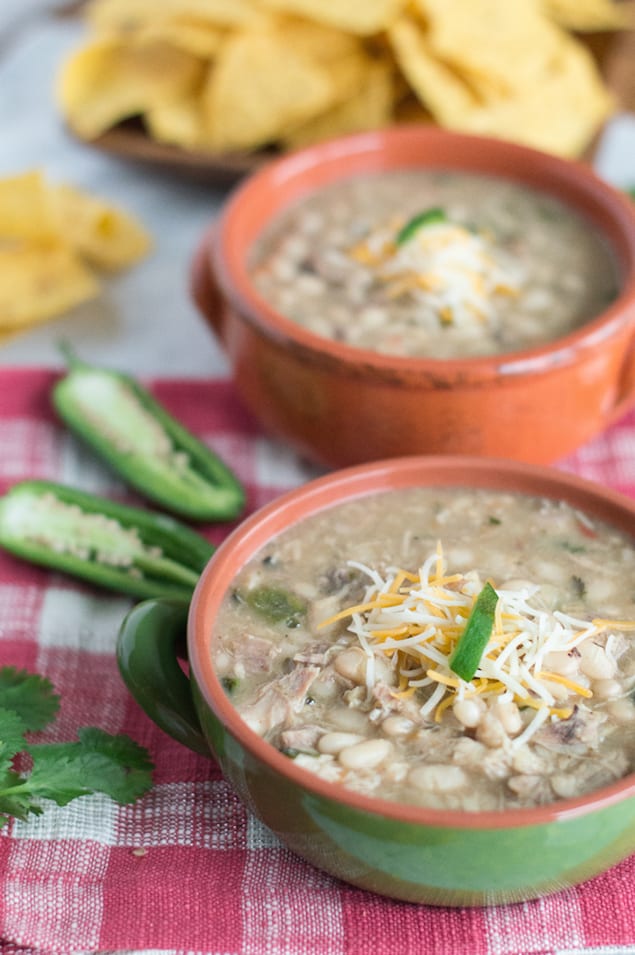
{"type": "Point", "coordinates": [417, 619]}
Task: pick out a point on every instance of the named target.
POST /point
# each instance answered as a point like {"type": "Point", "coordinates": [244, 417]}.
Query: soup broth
{"type": "Point", "coordinates": [437, 264]}
{"type": "Point", "coordinates": [339, 644]}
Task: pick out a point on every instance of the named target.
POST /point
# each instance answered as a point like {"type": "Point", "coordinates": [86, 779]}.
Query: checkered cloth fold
{"type": "Point", "coordinates": [187, 868]}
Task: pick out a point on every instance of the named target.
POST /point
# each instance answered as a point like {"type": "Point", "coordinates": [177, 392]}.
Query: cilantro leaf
{"type": "Point", "coordinates": [31, 696]}
{"type": "Point", "coordinates": [12, 740]}
{"type": "Point", "coordinates": [129, 767]}
{"type": "Point", "coordinates": [95, 762]}
{"type": "Point", "coordinates": [15, 800]}
{"type": "Point", "coordinates": [99, 762]}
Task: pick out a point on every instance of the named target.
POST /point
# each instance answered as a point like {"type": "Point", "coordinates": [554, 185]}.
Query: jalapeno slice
{"type": "Point", "coordinates": [144, 444]}
{"type": "Point", "coordinates": [122, 548]}
{"type": "Point", "coordinates": [469, 650]}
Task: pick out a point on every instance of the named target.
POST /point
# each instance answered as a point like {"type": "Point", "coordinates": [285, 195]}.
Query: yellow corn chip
{"type": "Point", "coordinates": [369, 108]}
{"type": "Point", "coordinates": [121, 18]}
{"type": "Point", "coordinates": [583, 15]}
{"type": "Point", "coordinates": [315, 40]}
{"type": "Point", "coordinates": [108, 81]}
{"type": "Point", "coordinates": [25, 208]}
{"type": "Point", "coordinates": [258, 88]}
{"type": "Point", "coordinates": [498, 48]}
{"type": "Point", "coordinates": [361, 17]}
{"type": "Point", "coordinates": [178, 122]}
{"type": "Point", "coordinates": [103, 235]}
{"type": "Point", "coordinates": [186, 33]}
{"type": "Point", "coordinates": [439, 89]}
{"type": "Point", "coordinates": [39, 280]}
{"type": "Point", "coordinates": [578, 105]}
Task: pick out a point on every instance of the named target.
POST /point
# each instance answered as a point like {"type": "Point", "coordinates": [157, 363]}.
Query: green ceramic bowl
{"type": "Point", "coordinates": [406, 852]}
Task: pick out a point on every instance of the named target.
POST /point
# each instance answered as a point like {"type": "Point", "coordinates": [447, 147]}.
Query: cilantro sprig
{"type": "Point", "coordinates": [96, 762]}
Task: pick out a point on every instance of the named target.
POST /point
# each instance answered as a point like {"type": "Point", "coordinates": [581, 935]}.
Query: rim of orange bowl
{"type": "Point", "coordinates": [352, 482]}
{"type": "Point", "coordinates": [572, 181]}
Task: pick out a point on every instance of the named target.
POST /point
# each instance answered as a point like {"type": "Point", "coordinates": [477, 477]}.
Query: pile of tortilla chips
{"type": "Point", "coordinates": [53, 238]}
{"type": "Point", "coordinates": [234, 75]}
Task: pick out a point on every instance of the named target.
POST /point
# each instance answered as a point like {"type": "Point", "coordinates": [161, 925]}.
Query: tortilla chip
{"type": "Point", "coordinates": [108, 81]}
{"type": "Point", "coordinates": [315, 40]}
{"type": "Point", "coordinates": [361, 17]}
{"type": "Point", "coordinates": [498, 48]}
{"type": "Point", "coordinates": [438, 88]}
{"type": "Point", "coordinates": [369, 108]}
{"type": "Point", "coordinates": [179, 122]}
{"type": "Point", "coordinates": [588, 15]}
{"type": "Point", "coordinates": [39, 280]}
{"type": "Point", "coordinates": [258, 88]}
{"type": "Point", "coordinates": [578, 104]}
{"type": "Point", "coordinates": [102, 234]}
{"type": "Point", "coordinates": [121, 18]}
{"type": "Point", "coordinates": [25, 208]}
{"type": "Point", "coordinates": [190, 34]}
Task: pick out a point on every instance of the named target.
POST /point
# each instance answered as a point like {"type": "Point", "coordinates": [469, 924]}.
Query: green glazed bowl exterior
{"type": "Point", "coordinates": [407, 852]}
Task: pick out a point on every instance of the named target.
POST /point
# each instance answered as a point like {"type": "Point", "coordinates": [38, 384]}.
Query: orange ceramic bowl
{"type": "Point", "coordinates": [341, 405]}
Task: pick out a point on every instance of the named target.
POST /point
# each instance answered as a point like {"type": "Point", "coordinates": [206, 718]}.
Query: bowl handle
{"type": "Point", "coordinates": [626, 387]}
{"type": "Point", "coordinates": [147, 655]}
{"type": "Point", "coordinates": [204, 290]}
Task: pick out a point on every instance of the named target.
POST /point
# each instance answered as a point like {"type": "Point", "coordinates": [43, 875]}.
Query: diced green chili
{"type": "Point", "coordinates": [144, 444]}
{"type": "Point", "coordinates": [229, 684]}
{"type": "Point", "coordinates": [412, 226]}
{"type": "Point", "coordinates": [276, 605]}
{"type": "Point", "coordinates": [123, 548]}
{"type": "Point", "coordinates": [467, 654]}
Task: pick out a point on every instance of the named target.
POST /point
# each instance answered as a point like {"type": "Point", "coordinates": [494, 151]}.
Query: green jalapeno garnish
{"type": "Point", "coordinates": [467, 654]}
{"type": "Point", "coordinates": [122, 548]}
{"type": "Point", "coordinates": [145, 445]}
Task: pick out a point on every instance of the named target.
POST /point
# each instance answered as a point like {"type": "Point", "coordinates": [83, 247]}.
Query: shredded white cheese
{"type": "Point", "coordinates": [417, 620]}
{"type": "Point", "coordinates": [445, 267]}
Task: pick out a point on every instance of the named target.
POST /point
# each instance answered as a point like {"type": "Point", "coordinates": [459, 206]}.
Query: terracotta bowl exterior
{"type": "Point", "coordinates": [407, 852]}
{"type": "Point", "coordinates": [341, 405]}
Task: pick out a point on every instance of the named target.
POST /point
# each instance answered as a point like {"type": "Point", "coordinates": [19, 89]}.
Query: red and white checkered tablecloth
{"type": "Point", "coordinates": [187, 869]}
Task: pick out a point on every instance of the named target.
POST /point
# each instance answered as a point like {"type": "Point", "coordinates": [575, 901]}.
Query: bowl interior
{"type": "Point", "coordinates": [283, 182]}
{"type": "Point", "coordinates": [322, 493]}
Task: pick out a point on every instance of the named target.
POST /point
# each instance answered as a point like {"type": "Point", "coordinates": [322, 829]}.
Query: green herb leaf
{"type": "Point", "coordinates": [114, 765]}
{"type": "Point", "coordinates": [12, 730]}
{"type": "Point", "coordinates": [14, 799]}
{"type": "Point", "coordinates": [97, 762]}
{"type": "Point", "coordinates": [468, 652]}
{"type": "Point", "coordinates": [31, 696]}
{"type": "Point", "coordinates": [419, 221]}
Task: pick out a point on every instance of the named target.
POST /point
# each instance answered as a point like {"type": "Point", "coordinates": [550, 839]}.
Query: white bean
{"type": "Point", "coordinates": [333, 743]}
{"type": "Point", "coordinates": [397, 725]}
{"type": "Point", "coordinates": [622, 711]}
{"type": "Point", "coordinates": [349, 719]}
{"type": "Point", "coordinates": [509, 716]}
{"type": "Point", "coordinates": [606, 689]}
{"type": "Point", "coordinates": [600, 590]}
{"type": "Point", "coordinates": [564, 785]}
{"type": "Point", "coordinates": [437, 778]}
{"type": "Point", "coordinates": [594, 662]}
{"type": "Point", "coordinates": [469, 712]}
{"type": "Point", "coordinates": [561, 662]}
{"type": "Point", "coordinates": [491, 731]}
{"type": "Point", "coordinates": [365, 755]}
{"type": "Point", "coordinates": [351, 664]}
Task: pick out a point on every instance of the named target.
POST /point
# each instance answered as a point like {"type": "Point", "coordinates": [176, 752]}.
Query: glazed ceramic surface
{"type": "Point", "coordinates": [408, 852]}
{"type": "Point", "coordinates": [341, 405]}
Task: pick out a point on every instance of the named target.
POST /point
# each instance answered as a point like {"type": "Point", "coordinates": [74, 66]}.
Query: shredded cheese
{"type": "Point", "coordinates": [455, 272]}
{"type": "Point", "coordinates": [417, 619]}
